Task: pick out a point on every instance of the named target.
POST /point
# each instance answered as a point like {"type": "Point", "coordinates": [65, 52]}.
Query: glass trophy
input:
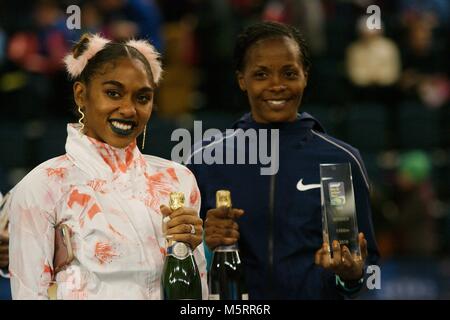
{"type": "Point", "coordinates": [338, 207]}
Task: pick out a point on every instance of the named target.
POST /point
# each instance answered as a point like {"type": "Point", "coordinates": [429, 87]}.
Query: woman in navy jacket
{"type": "Point", "coordinates": [278, 223]}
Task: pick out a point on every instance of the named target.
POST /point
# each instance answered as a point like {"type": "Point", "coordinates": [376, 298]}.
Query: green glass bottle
{"type": "Point", "coordinates": [226, 276]}
{"type": "Point", "coordinates": [180, 278]}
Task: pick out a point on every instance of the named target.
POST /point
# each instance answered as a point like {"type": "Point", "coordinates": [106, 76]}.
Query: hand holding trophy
{"type": "Point", "coordinates": [344, 250]}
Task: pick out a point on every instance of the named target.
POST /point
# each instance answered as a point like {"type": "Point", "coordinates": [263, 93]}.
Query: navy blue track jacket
{"type": "Point", "coordinates": [282, 228]}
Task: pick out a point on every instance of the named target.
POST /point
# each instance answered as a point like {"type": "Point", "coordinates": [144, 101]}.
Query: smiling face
{"type": "Point", "coordinates": [117, 102]}
{"type": "Point", "coordinates": [274, 79]}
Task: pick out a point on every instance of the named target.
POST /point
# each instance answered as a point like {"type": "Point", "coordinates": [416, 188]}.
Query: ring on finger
{"type": "Point", "coordinates": [192, 228]}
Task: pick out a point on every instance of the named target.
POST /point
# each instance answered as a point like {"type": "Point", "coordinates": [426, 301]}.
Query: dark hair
{"type": "Point", "coordinates": [110, 52]}
{"type": "Point", "coordinates": [265, 30]}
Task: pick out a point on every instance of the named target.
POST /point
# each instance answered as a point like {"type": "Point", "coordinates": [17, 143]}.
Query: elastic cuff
{"type": "Point", "coordinates": [350, 287]}
{"type": "Point", "coordinates": [4, 273]}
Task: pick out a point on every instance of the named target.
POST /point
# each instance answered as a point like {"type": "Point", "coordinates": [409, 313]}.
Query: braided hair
{"type": "Point", "coordinates": [266, 30]}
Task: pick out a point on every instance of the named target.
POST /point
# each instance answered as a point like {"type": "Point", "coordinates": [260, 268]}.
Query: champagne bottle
{"type": "Point", "coordinates": [181, 277]}
{"type": "Point", "coordinates": [226, 276]}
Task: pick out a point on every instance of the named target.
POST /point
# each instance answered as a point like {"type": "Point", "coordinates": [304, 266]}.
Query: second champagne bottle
{"type": "Point", "coordinates": [226, 276]}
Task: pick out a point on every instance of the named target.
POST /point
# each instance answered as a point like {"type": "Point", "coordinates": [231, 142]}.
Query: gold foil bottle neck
{"type": "Point", "coordinates": [176, 200]}
{"type": "Point", "coordinates": [223, 199]}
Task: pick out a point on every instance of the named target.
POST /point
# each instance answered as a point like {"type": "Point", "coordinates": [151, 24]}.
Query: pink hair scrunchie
{"type": "Point", "coordinates": [75, 66]}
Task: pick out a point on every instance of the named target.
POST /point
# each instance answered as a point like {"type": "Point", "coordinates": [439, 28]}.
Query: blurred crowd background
{"type": "Point", "coordinates": [386, 91]}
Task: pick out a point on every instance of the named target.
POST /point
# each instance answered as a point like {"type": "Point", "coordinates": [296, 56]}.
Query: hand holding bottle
{"type": "Point", "coordinates": [226, 277]}
{"type": "Point", "coordinates": [184, 225]}
{"type": "Point", "coordinates": [221, 227]}
{"type": "Point", "coordinates": [183, 229]}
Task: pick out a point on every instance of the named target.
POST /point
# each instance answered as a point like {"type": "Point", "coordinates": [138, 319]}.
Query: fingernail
{"type": "Point", "coordinates": [169, 236]}
{"type": "Point", "coordinates": [166, 219]}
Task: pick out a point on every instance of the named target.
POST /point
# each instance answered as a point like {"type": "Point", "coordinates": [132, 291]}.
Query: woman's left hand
{"type": "Point", "coordinates": [184, 225]}
{"type": "Point", "coordinates": [343, 264]}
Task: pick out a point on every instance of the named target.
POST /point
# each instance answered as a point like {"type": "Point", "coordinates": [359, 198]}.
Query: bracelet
{"type": "Point", "coordinates": [4, 274]}
{"type": "Point", "coordinates": [350, 286]}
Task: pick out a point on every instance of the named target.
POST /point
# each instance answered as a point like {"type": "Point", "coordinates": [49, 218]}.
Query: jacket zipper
{"type": "Point", "coordinates": [270, 230]}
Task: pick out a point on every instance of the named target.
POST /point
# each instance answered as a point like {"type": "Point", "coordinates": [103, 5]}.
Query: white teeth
{"type": "Point", "coordinates": [276, 102]}
{"type": "Point", "coordinates": [121, 126]}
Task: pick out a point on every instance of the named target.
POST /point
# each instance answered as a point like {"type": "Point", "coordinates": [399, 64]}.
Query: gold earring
{"type": "Point", "coordinates": [143, 137]}
{"type": "Point", "coordinates": [80, 121]}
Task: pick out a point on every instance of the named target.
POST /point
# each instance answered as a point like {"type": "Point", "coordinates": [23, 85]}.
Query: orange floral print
{"type": "Point", "coordinates": [93, 211]}
{"type": "Point", "coordinates": [104, 252]}
{"type": "Point", "coordinates": [172, 174]}
{"type": "Point", "coordinates": [195, 195]}
{"type": "Point", "coordinates": [97, 185]}
{"type": "Point", "coordinates": [80, 198]}
{"type": "Point", "coordinates": [58, 172]}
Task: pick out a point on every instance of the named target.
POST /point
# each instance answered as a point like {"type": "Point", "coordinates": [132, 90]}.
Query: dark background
{"type": "Point", "coordinates": [401, 127]}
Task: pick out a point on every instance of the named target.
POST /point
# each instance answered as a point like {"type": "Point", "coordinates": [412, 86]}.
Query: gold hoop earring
{"type": "Point", "coordinates": [80, 121]}
{"type": "Point", "coordinates": [143, 137]}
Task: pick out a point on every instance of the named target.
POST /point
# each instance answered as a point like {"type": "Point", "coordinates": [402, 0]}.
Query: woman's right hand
{"type": "Point", "coordinates": [221, 227]}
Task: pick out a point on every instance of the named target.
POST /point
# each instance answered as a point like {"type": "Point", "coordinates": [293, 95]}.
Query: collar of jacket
{"type": "Point", "coordinates": [295, 133]}
{"type": "Point", "coordinates": [99, 159]}
{"type": "Point", "coordinates": [304, 120]}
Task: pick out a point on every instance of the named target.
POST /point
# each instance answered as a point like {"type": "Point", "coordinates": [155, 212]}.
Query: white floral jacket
{"type": "Point", "coordinates": [110, 199]}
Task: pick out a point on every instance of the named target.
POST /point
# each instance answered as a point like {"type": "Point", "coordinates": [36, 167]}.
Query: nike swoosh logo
{"type": "Point", "coordinates": [306, 187]}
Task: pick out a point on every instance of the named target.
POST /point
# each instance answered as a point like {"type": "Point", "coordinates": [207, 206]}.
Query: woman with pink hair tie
{"type": "Point", "coordinates": [87, 224]}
